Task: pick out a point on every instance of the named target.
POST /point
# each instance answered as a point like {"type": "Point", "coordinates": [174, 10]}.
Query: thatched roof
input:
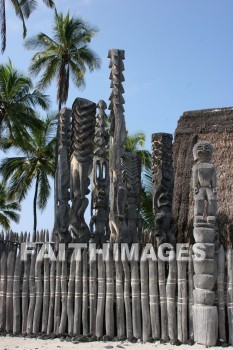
{"type": "Point", "coordinates": [215, 126]}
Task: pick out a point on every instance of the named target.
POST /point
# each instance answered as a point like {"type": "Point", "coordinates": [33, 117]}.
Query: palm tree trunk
{"type": "Point", "coordinates": [34, 204]}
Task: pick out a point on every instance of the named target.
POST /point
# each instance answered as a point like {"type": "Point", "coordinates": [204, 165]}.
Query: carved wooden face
{"type": "Point", "coordinates": [202, 151]}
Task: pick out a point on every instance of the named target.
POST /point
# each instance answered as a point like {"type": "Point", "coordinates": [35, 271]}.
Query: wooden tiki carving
{"type": "Point", "coordinates": [82, 143]}
{"type": "Point", "coordinates": [100, 179]}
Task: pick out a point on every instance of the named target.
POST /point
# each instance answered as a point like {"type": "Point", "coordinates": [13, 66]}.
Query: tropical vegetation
{"type": "Point", "coordinates": [9, 208]}
{"type": "Point", "coordinates": [34, 165]}
{"type": "Point", "coordinates": [65, 55]}
{"type": "Point", "coordinates": [23, 10]}
{"type": "Point", "coordinates": [18, 100]}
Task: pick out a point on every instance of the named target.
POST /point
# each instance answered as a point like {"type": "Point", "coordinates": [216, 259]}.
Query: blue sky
{"type": "Point", "coordinates": [179, 57]}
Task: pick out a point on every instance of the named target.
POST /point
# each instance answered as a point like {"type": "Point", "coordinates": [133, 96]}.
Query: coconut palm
{"type": "Point", "coordinates": [34, 166]}
{"type": "Point", "coordinates": [136, 143]}
{"type": "Point", "coordinates": [23, 9]}
{"type": "Point", "coordinates": [8, 208]}
{"type": "Point", "coordinates": [66, 54]}
{"type": "Point", "coordinates": [17, 101]}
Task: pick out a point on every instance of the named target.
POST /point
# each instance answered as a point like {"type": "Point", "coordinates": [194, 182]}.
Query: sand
{"type": "Point", "coordinates": [11, 343]}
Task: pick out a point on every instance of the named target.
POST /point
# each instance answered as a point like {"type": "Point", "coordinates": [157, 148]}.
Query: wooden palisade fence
{"type": "Point", "coordinates": [119, 299]}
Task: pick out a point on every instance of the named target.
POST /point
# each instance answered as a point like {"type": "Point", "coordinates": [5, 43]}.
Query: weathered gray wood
{"type": "Point", "coordinates": [57, 304]}
{"type": "Point", "coordinates": [25, 293]}
{"type": "Point", "coordinates": [82, 146]}
{"type": "Point", "coordinates": [120, 316]}
{"type": "Point", "coordinates": [52, 297]}
{"type": "Point", "coordinates": [3, 284]}
{"type": "Point", "coordinates": [85, 294]}
{"type": "Point", "coordinates": [221, 294]}
{"type": "Point", "coordinates": [63, 320]}
{"type": "Point", "coordinates": [230, 293]}
{"type": "Point", "coordinates": [127, 294]}
{"type": "Point", "coordinates": [109, 311]}
{"type": "Point", "coordinates": [118, 191]}
{"type": "Point", "coordinates": [100, 297]}
{"type": "Point", "coordinates": [154, 299]}
{"type": "Point", "coordinates": [136, 305]}
{"type": "Point", "coordinates": [39, 297]}
{"type": "Point", "coordinates": [163, 300]}
{"type": "Point", "coordinates": [9, 290]}
{"type": "Point", "coordinates": [32, 293]}
{"type": "Point", "coordinates": [163, 182]}
{"type": "Point", "coordinates": [190, 291]}
{"type": "Point", "coordinates": [205, 322]}
{"type": "Point", "coordinates": [70, 297]}
{"type": "Point", "coordinates": [182, 307]}
{"type": "Point", "coordinates": [46, 291]}
{"type": "Point", "coordinates": [78, 298]}
{"type": "Point", "coordinates": [92, 295]}
{"type": "Point", "coordinates": [146, 325]}
{"type": "Point", "coordinates": [16, 296]}
{"type": "Point", "coordinates": [171, 299]}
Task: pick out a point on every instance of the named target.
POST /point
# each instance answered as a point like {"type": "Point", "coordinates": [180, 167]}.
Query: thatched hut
{"type": "Point", "coordinates": [215, 126]}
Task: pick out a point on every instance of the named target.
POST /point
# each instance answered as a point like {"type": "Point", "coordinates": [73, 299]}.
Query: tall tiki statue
{"type": "Point", "coordinates": [118, 193]}
{"type": "Point", "coordinates": [82, 142]}
{"type": "Point", "coordinates": [131, 164]}
{"type": "Point", "coordinates": [205, 313]}
{"type": "Point", "coordinates": [62, 177]}
{"type": "Point", "coordinates": [162, 177]}
{"type": "Point", "coordinates": [100, 179]}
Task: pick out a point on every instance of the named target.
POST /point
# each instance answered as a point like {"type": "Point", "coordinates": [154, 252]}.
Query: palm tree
{"type": "Point", "coordinates": [34, 166]}
{"type": "Point", "coordinates": [23, 9]}
{"type": "Point", "coordinates": [136, 143]}
{"type": "Point", "coordinates": [66, 54]}
{"type": "Point", "coordinates": [8, 208]}
{"type": "Point", "coordinates": [17, 101]}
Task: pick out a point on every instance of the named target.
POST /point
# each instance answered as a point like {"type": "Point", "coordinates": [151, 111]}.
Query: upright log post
{"type": "Point", "coordinates": [136, 305]}
{"type": "Point", "coordinates": [50, 324]}
{"type": "Point", "coordinates": [70, 296]}
{"type": "Point", "coordinates": [171, 299]}
{"type": "Point", "coordinates": [57, 302]}
{"type": "Point", "coordinates": [221, 295]}
{"type": "Point", "coordinates": [127, 295]}
{"type": "Point", "coordinates": [154, 299]}
{"type": "Point", "coordinates": [39, 295]}
{"type": "Point", "coordinates": [101, 297]}
{"type": "Point", "coordinates": [63, 321]}
{"type": "Point", "coordinates": [146, 325]}
{"type": "Point", "coordinates": [9, 290]}
{"type": "Point", "coordinates": [32, 293]}
{"type": "Point", "coordinates": [16, 295]}
{"type": "Point", "coordinates": [182, 304]}
{"type": "Point", "coordinates": [85, 293]}
{"type": "Point", "coordinates": [92, 295]}
{"type": "Point", "coordinates": [163, 299]}
{"type": "Point", "coordinates": [190, 292]}
{"type": "Point", "coordinates": [230, 293]}
{"type": "Point", "coordinates": [205, 314]}
{"type": "Point", "coordinates": [109, 311]}
{"type": "Point", "coordinates": [3, 286]}
{"type": "Point", "coordinates": [120, 315]}
{"type": "Point", "coordinates": [78, 298]}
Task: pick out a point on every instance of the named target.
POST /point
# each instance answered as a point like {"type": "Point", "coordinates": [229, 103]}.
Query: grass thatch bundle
{"type": "Point", "coordinates": [216, 127]}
